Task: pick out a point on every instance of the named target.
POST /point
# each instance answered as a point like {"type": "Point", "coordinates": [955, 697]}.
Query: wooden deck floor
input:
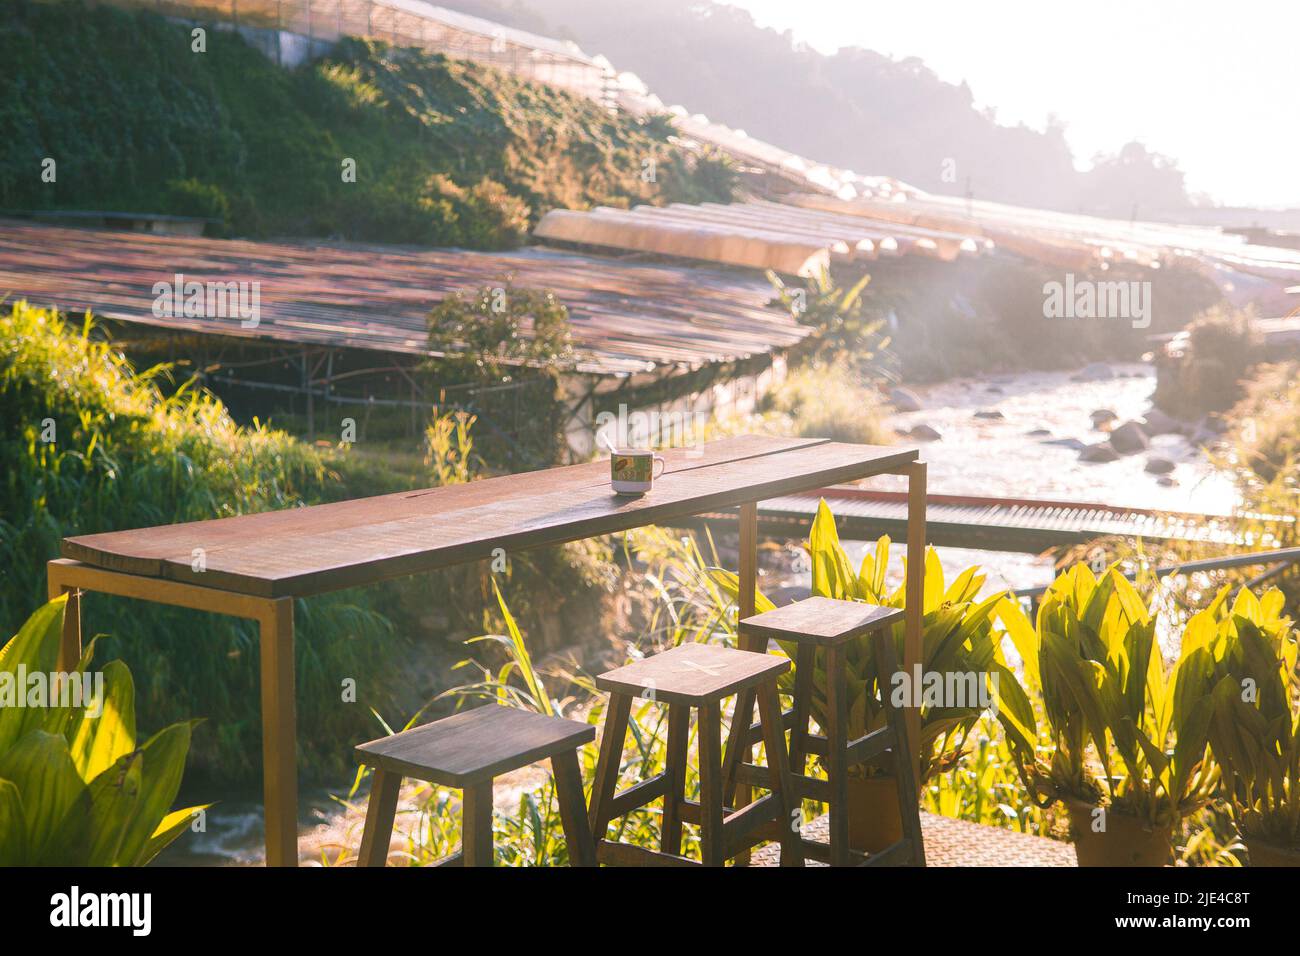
{"type": "Point", "coordinates": [950, 842]}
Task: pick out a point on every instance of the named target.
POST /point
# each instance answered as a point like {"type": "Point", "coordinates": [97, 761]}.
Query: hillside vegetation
{"type": "Point", "coordinates": [446, 152]}
{"type": "Point", "coordinates": [90, 444]}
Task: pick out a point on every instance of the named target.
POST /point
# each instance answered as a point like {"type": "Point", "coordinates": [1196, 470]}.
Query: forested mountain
{"type": "Point", "coordinates": [857, 108]}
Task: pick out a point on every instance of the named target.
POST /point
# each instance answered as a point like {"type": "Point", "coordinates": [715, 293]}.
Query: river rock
{"type": "Point", "coordinates": [991, 414]}
{"type": "Point", "coordinates": [1156, 422]}
{"type": "Point", "coordinates": [1101, 452]}
{"type": "Point", "coordinates": [924, 433]}
{"type": "Point", "coordinates": [904, 400]}
{"type": "Point", "coordinates": [1128, 438]}
{"type": "Point", "coordinates": [1096, 372]}
{"type": "Point", "coordinates": [1167, 481]}
{"type": "Point", "coordinates": [1103, 416]}
{"type": "Point", "coordinates": [1071, 443]}
{"type": "Point", "coordinates": [1214, 424]}
{"type": "Point", "coordinates": [1159, 466]}
{"type": "Point", "coordinates": [1038, 433]}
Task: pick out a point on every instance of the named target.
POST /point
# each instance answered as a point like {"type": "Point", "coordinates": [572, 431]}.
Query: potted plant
{"type": "Point", "coordinates": [1127, 735]}
{"type": "Point", "coordinates": [1251, 650]}
{"type": "Point", "coordinates": [958, 638]}
{"type": "Point", "coordinates": [75, 787]}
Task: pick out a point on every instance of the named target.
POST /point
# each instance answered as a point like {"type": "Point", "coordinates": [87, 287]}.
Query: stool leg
{"type": "Point", "coordinates": [378, 831]}
{"type": "Point", "coordinates": [679, 726]}
{"type": "Point", "coordinates": [573, 809]}
{"type": "Point", "coordinates": [778, 771]}
{"type": "Point", "coordinates": [607, 764]}
{"type": "Point", "coordinates": [712, 847]}
{"type": "Point", "coordinates": [837, 744]}
{"type": "Point", "coordinates": [476, 824]}
{"type": "Point", "coordinates": [908, 799]}
{"type": "Point", "coordinates": [805, 665]}
{"type": "Point", "coordinates": [739, 750]}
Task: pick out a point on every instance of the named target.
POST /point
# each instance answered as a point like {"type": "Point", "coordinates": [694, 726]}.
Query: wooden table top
{"type": "Point", "coordinates": [303, 551]}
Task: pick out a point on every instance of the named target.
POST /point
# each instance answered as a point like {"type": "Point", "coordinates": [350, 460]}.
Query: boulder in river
{"type": "Point", "coordinates": [1156, 422]}
{"type": "Point", "coordinates": [1167, 481]}
{"type": "Point", "coordinates": [1101, 452]}
{"type": "Point", "coordinates": [924, 433]}
{"type": "Point", "coordinates": [904, 400]}
{"type": "Point", "coordinates": [1038, 433]}
{"type": "Point", "coordinates": [1215, 424]}
{"type": "Point", "coordinates": [1103, 416]}
{"type": "Point", "coordinates": [1096, 372]}
{"type": "Point", "coordinates": [991, 414]}
{"type": "Point", "coordinates": [1159, 466]}
{"type": "Point", "coordinates": [1071, 443]}
{"type": "Point", "coordinates": [1128, 438]}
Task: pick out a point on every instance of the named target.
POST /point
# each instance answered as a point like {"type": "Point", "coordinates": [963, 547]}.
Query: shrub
{"type": "Point", "coordinates": [958, 638]}
{"type": "Point", "coordinates": [833, 401]}
{"type": "Point", "coordinates": [91, 445]}
{"type": "Point", "coordinates": [1249, 650]}
{"type": "Point", "coordinates": [192, 197]}
{"type": "Point", "coordinates": [513, 337]}
{"type": "Point", "coordinates": [1122, 728]}
{"type": "Point", "coordinates": [1205, 370]}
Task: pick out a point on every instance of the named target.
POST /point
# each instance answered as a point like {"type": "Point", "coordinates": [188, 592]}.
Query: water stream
{"type": "Point", "coordinates": [1027, 452]}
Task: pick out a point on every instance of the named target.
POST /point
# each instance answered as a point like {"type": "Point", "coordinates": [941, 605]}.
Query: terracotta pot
{"type": "Point", "coordinates": [1266, 854]}
{"type": "Point", "coordinates": [875, 821]}
{"type": "Point", "coordinates": [1126, 841]}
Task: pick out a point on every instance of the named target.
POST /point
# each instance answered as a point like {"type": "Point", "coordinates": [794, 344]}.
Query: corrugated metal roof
{"type": "Point", "coordinates": [1071, 239]}
{"type": "Point", "coordinates": [626, 317]}
{"type": "Point", "coordinates": [804, 232]}
{"type": "Point", "coordinates": [760, 235]}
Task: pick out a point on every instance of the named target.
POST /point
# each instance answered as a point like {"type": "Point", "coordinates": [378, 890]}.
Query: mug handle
{"type": "Point", "coordinates": [661, 461]}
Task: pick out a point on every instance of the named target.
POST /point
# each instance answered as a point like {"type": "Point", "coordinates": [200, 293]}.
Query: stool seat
{"type": "Point", "coordinates": [693, 673]}
{"type": "Point", "coordinates": [820, 621]}
{"type": "Point", "coordinates": [474, 745]}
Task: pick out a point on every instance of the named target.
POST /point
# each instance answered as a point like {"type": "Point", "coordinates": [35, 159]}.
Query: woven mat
{"type": "Point", "coordinates": [950, 842]}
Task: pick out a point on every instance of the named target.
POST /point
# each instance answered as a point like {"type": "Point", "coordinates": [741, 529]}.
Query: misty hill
{"type": "Point", "coordinates": [856, 109]}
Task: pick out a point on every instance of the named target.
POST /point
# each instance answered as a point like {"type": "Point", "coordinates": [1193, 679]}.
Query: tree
{"type": "Point", "coordinates": [500, 334]}
{"type": "Point", "coordinates": [1134, 180]}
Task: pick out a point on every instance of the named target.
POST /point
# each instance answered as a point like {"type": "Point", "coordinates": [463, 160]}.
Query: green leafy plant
{"type": "Point", "coordinates": [1249, 651]}
{"type": "Point", "coordinates": [449, 448]}
{"type": "Point", "coordinates": [75, 787]}
{"type": "Point", "coordinates": [958, 639]}
{"type": "Point", "coordinates": [1122, 732]}
{"type": "Point", "coordinates": [985, 787]}
{"type": "Point", "coordinates": [835, 313]}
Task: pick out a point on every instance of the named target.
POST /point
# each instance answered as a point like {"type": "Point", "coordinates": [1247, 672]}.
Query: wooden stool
{"type": "Point", "coordinates": [828, 625]}
{"type": "Point", "coordinates": [694, 676]}
{"type": "Point", "coordinates": [466, 751]}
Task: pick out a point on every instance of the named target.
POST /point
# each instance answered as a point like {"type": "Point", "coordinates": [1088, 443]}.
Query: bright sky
{"type": "Point", "coordinates": [1214, 84]}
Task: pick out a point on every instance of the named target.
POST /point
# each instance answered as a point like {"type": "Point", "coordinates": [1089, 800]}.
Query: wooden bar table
{"type": "Point", "coordinates": [255, 566]}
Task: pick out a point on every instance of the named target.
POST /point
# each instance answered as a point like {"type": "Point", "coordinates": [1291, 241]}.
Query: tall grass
{"type": "Point", "coordinates": [124, 455]}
